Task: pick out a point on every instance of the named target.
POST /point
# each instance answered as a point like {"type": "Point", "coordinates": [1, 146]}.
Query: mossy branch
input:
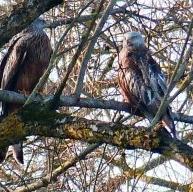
{"type": "Point", "coordinates": [36, 120]}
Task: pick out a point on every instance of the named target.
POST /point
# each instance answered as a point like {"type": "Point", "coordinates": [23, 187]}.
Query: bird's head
{"type": "Point", "coordinates": [38, 23]}
{"type": "Point", "coordinates": [134, 39]}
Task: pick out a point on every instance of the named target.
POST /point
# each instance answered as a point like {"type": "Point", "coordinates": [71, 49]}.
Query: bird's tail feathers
{"type": "Point", "coordinates": [168, 122]}
{"type": "Point", "coordinates": [17, 150]}
{"type": "Point", "coordinates": [3, 153]}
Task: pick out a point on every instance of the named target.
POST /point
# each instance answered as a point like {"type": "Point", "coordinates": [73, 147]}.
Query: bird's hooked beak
{"type": "Point", "coordinates": [125, 44]}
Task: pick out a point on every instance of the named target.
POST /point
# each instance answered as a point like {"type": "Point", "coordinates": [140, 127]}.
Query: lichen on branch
{"type": "Point", "coordinates": [36, 119]}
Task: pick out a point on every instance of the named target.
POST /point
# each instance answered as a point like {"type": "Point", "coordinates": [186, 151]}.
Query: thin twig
{"type": "Point", "coordinates": [189, 77]}
{"type": "Point", "coordinates": [175, 77]}
{"type": "Point", "coordinates": [45, 76]}
{"type": "Point", "coordinates": [43, 182]}
{"type": "Point", "coordinates": [84, 39]}
{"type": "Point", "coordinates": [90, 47]}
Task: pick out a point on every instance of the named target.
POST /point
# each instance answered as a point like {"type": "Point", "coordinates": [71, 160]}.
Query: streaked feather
{"type": "Point", "coordinates": [27, 57]}
{"type": "Point", "coordinates": [141, 80]}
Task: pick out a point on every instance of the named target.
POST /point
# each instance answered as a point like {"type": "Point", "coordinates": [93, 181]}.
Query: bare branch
{"type": "Point", "coordinates": [45, 181]}
{"type": "Point", "coordinates": [22, 16]}
{"type": "Point", "coordinates": [71, 101]}
{"type": "Point", "coordinates": [90, 47]}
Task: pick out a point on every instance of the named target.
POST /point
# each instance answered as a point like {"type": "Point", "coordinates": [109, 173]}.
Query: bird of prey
{"type": "Point", "coordinates": [22, 66]}
{"type": "Point", "coordinates": [141, 81]}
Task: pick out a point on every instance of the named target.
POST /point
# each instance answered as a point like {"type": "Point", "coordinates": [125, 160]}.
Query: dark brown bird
{"type": "Point", "coordinates": [27, 58]}
{"type": "Point", "coordinates": [141, 81]}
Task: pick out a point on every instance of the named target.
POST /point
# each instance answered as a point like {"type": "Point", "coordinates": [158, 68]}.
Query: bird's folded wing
{"type": "Point", "coordinates": [12, 62]}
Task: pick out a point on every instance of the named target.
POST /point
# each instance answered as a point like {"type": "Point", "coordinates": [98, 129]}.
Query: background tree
{"type": "Point", "coordinates": [94, 142]}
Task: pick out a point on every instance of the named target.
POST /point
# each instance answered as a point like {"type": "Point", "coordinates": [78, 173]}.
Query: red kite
{"type": "Point", "coordinates": [27, 58]}
{"type": "Point", "coordinates": [142, 83]}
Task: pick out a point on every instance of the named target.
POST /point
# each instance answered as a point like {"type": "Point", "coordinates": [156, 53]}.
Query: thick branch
{"type": "Point", "coordinates": [72, 101]}
{"type": "Point", "coordinates": [22, 16]}
{"type": "Point", "coordinates": [36, 121]}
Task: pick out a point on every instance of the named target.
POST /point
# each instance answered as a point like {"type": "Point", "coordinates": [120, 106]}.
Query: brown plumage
{"type": "Point", "coordinates": [27, 58]}
{"type": "Point", "coordinates": [141, 81]}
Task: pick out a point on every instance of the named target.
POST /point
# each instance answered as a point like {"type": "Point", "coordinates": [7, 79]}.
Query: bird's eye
{"type": "Point", "coordinates": [129, 43]}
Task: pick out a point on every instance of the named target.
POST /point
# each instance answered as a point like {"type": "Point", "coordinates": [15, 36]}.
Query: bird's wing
{"type": "Point", "coordinates": [12, 62]}
{"type": "Point", "coordinates": [152, 75]}
{"type": "Point", "coordinates": [157, 76]}
{"type": "Point", "coordinates": [5, 58]}
{"type": "Point", "coordinates": [157, 86]}
{"type": "Point", "coordinates": [131, 80]}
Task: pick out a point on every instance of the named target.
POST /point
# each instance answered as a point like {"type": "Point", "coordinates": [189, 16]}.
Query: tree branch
{"type": "Point", "coordinates": [71, 101]}
{"type": "Point", "coordinates": [90, 48]}
{"type": "Point", "coordinates": [35, 120]}
{"type": "Point", "coordinates": [45, 181]}
{"type": "Point", "coordinates": [22, 16]}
